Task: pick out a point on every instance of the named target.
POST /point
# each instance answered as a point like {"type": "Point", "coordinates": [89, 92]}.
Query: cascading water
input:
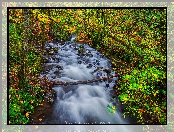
{"type": "Point", "coordinates": [81, 103]}
{"type": "Point", "coordinates": [73, 37]}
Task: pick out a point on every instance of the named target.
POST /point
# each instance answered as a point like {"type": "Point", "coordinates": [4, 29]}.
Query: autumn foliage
{"type": "Point", "coordinates": [134, 39]}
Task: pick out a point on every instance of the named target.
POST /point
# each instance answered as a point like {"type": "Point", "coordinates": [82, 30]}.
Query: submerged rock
{"type": "Point", "coordinates": [107, 85]}
{"type": "Point", "coordinates": [89, 65]}
{"type": "Point", "coordinates": [45, 60]}
{"type": "Point", "coordinates": [59, 67]}
{"type": "Point", "coordinates": [57, 73]}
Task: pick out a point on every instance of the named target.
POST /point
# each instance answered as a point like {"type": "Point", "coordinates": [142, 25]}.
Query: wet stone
{"type": "Point", "coordinates": [59, 67]}
{"type": "Point", "coordinates": [54, 94]}
{"type": "Point", "coordinates": [90, 55]}
{"type": "Point", "coordinates": [89, 65]}
{"type": "Point", "coordinates": [46, 60]}
{"type": "Point", "coordinates": [75, 48]}
{"type": "Point", "coordinates": [107, 85]}
{"type": "Point", "coordinates": [54, 77]}
{"type": "Point", "coordinates": [109, 80]}
{"type": "Point", "coordinates": [47, 71]}
{"type": "Point", "coordinates": [57, 73]}
{"type": "Point", "coordinates": [47, 67]}
{"type": "Point", "coordinates": [57, 60]}
{"type": "Point", "coordinates": [47, 48]}
{"type": "Point", "coordinates": [54, 57]}
{"type": "Point", "coordinates": [48, 95]}
{"type": "Point", "coordinates": [80, 62]}
{"type": "Point", "coordinates": [78, 57]}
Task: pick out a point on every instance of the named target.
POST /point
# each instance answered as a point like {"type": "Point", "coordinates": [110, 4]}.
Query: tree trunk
{"type": "Point", "coordinates": [25, 44]}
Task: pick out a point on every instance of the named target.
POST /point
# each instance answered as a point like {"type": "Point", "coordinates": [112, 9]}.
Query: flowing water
{"type": "Point", "coordinates": [81, 103]}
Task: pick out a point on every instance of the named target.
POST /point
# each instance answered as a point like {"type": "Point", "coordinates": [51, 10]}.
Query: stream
{"type": "Point", "coordinates": [83, 82]}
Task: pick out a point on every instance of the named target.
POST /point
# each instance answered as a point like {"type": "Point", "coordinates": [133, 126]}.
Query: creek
{"type": "Point", "coordinates": [83, 80]}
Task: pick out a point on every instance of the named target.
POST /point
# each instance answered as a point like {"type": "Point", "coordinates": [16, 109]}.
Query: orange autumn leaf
{"type": "Point", "coordinates": [27, 114]}
{"type": "Point", "coordinates": [31, 83]}
{"type": "Point", "coordinates": [58, 20]}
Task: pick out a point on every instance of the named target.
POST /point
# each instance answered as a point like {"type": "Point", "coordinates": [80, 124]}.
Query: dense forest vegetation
{"type": "Point", "coordinates": [134, 39]}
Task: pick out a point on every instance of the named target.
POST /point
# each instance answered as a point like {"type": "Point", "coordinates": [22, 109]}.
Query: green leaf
{"type": "Point", "coordinates": [135, 72]}
{"type": "Point", "coordinates": [163, 91]}
{"type": "Point", "coordinates": [111, 109]}
{"type": "Point", "coordinates": [109, 106]}
{"type": "Point", "coordinates": [123, 97]}
{"type": "Point", "coordinates": [147, 106]}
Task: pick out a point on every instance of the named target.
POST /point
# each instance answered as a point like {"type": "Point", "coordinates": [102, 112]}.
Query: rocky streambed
{"type": "Point", "coordinates": [80, 84]}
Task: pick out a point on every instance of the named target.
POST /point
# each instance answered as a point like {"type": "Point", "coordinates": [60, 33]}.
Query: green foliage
{"type": "Point", "coordinates": [21, 105]}
{"type": "Point", "coordinates": [135, 39]}
{"type": "Point", "coordinates": [138, 39]}
{"type": "Point", "coordinates": [111, 109]}
{"type": "Point", "coordinates": [23, 97]}
{"type": "Point", "coordinates": [139, 90]}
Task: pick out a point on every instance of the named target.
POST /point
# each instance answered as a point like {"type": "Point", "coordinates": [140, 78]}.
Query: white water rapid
{"type": "Point", "coordinates": [81, 103]}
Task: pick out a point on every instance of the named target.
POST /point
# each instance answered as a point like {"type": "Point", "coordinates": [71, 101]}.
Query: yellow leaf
{"type": "Point", "coordinates": [27, 114]}
{"type": "Point", "coordinates": [66, 26]}
{"type": "Point", "coordinates": [32, 101]}
{"type": "Point", "coordinates": [125, 99]}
